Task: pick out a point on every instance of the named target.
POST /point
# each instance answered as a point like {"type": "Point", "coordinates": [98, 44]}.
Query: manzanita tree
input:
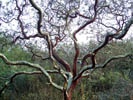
{"type": "Point", "coordinates": [50, 24]}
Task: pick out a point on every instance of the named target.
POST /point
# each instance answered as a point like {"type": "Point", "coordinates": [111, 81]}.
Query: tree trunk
{"type": "Point", "coordinates": [68, 94]}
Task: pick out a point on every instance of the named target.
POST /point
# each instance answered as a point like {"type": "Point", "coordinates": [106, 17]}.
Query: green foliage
{"type": "Point", "coordinates": [99, 86]}
{"type": "Point", "coordinates": [31, 88]}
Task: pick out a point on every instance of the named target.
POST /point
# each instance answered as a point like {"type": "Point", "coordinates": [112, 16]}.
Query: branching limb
{"type": "Point", "coordinates": [77, 51]}
{"type": "Point", "coordinates": [13, 77]}
{"type": "Point", "coordinates": [34, 54]}
{"type": "Point", "coordinates": [105, 63]}
{"type": "Point", "coordinates": [106, 40]}
{"type": "Point", "coordinates": [53, 56]}
{"type": "Point", "coordinates": [21, 24]}
{"type": "Point", "coordinates": [20, 11]}
{"type": "Point", "coordinates": [16, 74]}
{"type": "Point", "coordinates": [62, 62]}
{"type": "Point", "coordinates": [88, 22]}
{"type": "Point", "coordinates": [113, 58]}
{"type": "Point", "coordinates": [116, 36]}
{"type": "Point", "coordinates": [36, 66]}
{"type": "Point", "coordinates": [125, 30]}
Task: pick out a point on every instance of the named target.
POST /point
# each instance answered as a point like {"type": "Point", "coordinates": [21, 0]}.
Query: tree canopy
{"type": "Point", "coordinates": [52, 24]}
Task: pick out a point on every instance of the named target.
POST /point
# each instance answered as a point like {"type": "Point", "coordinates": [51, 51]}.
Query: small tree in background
{"type": "Point", "coordinates": [52, 24]}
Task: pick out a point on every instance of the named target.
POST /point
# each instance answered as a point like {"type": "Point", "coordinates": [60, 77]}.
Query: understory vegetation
{"type": "Point", "coordinates": [115, 82]}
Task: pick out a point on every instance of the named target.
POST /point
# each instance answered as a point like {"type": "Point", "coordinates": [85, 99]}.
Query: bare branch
{"type": "Point", "coordinates": [15, 75]}
{"type": "Point", "coordinates": [53, 23]}
{"type": "Point", "coordinates": [88, 22]}
{"type": "Point", "coordinates": [36, 66]}
{"type": "Point", "coordinates": [113, 58]}
{"type": "Point", "coordinates": [19, 20]}
{"type": "Point", "coordinates": [125, 30]}
{"type": "Point", "coordinates": [40, 15]}
{"type": "Point", "coordinates": [11, 78]}
{"type": "Point", "coordinates": [106, 40]}
{"type": "Point", "coordinates": [62, 62]}
{"type": "Point", "coordinates": [89, 67]}
{"type": "Point", "coordinates": [75, 39]}
{"type": "Point", "coordinates": [117, 36]}
{"type": "Point", "coordinates": [107, 62]}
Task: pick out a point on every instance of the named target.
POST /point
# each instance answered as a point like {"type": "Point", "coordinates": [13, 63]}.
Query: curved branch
{"type": "Point", "coordinates": [20, 11]}
{"type": "Point", "coordinates": [85, 68]}
{"type": "Point", "coordinates": [40, 15]}
{"type": "Point", "coordinates": [75, 39]}
{"type": "Point", "coordinates": [14, 75]}
{"type": "Point", "coordinates": [109, 35]}
{"type": "Point", "coordinates": [62, 62]}
{"type": "Point", "coordinates": [88, 22]}
{"type": "Point", "coordinates": [8, 62]}
{"type": "Point", "coordinates": [116, 36]}
{"type": "Point", "coordinates": [11, 79]}
{"type": "Point", "coordinates": [36, 66]}
{"type": "Point", "coordinates": [113, 58]}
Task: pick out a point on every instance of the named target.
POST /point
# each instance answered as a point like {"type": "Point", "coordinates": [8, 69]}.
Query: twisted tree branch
{"type": "Point", "coordinates": [36, 66]}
